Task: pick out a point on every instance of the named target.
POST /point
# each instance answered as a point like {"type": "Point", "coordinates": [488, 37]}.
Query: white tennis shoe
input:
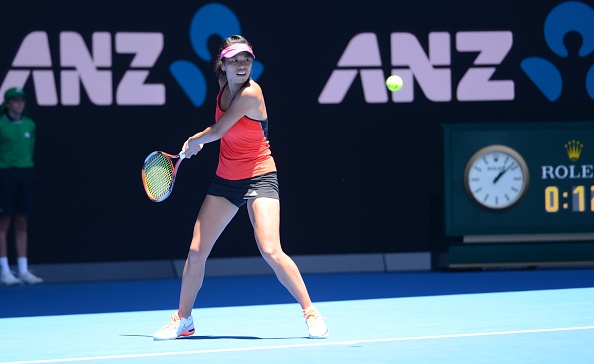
{"type": "Point", "coordinates": [315, 323]}
{"type": "Point", "coordinates": [176, 328]}
{"type": "Point", "coordinates": [30, 278]}
{"type": "Point", "coordinates": [8, 279]}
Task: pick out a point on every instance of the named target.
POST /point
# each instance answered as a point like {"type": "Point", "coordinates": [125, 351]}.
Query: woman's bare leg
{"type": "Point", "coordinates": [214, 215]}
{"type": "Point", "coordinates": [265, 217]}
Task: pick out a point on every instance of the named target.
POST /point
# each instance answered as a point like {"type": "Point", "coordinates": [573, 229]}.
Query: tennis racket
{"type": "Point", "coordinates": [158, 174]}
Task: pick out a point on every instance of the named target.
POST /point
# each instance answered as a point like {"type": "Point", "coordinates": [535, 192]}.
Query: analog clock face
{"type": "Point", "coordinates": [496, 177]}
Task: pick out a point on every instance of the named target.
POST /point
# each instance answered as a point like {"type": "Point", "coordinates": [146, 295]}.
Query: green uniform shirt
{"type": "Point", "coordinates": [17, 142]}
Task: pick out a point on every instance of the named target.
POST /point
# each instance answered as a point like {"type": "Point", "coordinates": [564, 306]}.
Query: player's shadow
{"type": "Point", "coordinates": [213, 337]}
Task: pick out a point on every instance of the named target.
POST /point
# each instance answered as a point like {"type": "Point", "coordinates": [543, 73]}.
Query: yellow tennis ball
{"type": "Point", "coordinates": [394, 83]}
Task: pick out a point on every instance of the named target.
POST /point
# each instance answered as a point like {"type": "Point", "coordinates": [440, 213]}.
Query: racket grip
{"type": "Point", "coordinates": [182, 155]}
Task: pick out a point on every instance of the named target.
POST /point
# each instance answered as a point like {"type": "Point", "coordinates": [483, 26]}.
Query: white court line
{"type": "Point", "coordinates": [315, 344]}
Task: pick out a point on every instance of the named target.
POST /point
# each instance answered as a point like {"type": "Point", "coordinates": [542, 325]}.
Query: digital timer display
{"type": "Point", "coordinates": [551, 220]}
{"type": "Point", "coordinates": [578, 199]}
{"type": "Point", "coordinates": [558, 161]}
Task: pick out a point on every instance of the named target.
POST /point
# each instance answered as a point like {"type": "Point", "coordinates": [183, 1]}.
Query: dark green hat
{"type": "Point", "coordinates": [14, 93]}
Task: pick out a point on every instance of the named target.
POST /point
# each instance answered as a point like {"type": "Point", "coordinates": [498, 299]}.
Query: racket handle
{"type": "Point", "coordinates": [182, 155]}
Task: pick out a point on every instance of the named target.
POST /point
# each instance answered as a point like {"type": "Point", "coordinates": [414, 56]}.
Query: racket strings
{"type": "Point", "coordinates": [158, 175]}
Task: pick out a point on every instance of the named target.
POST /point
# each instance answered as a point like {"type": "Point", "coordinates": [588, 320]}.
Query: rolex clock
{"type": "Point", "coordinates": [496, 177]}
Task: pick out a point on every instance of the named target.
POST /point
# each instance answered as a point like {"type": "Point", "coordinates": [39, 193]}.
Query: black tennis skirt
{"type": "Point", "coordinates": [238, 192]}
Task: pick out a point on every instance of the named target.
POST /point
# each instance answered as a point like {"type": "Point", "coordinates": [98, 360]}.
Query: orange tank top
{"type": "Point", "coordinates": [245, 150]}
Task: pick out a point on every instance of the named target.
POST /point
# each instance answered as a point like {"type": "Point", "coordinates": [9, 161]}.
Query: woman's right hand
{"type": "Point", "coordinates": [191, 147]}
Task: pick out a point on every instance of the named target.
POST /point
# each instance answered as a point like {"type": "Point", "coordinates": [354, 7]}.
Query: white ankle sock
{"type": "Point", "coordinates": [4, 265]}
{"type": "Point", "coordinates": [22, 264]}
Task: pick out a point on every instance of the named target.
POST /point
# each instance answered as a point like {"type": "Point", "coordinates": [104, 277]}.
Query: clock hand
{"type": "Point", "coordinates": [501, 173]}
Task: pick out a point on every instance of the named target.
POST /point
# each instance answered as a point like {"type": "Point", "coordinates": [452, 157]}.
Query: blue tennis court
{"type": "Point", "coordinates": [544, 316]}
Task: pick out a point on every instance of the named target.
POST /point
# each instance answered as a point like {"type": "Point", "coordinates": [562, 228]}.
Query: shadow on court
{"type": "Point", "coordinates": [221, 337]}
{"type": "Point", "coordinates": [146, 295]}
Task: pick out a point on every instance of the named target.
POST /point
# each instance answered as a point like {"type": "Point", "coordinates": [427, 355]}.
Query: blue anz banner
{"type": "Point", "coordinates": [361, 168]}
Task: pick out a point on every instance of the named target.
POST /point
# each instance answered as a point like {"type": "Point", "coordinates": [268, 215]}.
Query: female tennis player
{"type": "Point", "coordinates": [246, 174]}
